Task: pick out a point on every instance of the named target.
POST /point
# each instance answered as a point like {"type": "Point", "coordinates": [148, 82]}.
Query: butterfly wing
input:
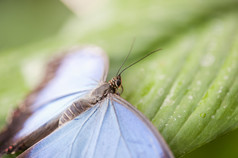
{"type": "Point", "coordinates": [80, 70]}
{"type": "Point", "coordinates": [135, 125]}
{"type": "Point", "coordinates": [112, 128]}
{"type": "Point", "coordinates": [77, 73]}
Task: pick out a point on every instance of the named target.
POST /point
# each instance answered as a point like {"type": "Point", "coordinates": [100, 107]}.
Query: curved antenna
{"type": "Point", "coordinates": [140, 60]}
{"type": "Point", "coordinates": [132, 45]}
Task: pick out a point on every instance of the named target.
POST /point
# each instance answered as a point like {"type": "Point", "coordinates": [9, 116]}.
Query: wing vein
{"type": "Point", "coordinates": [120, 129]}
{"type": "Point", "coordinates": [77, 133]}
{"type": "Point", "coordinates": [117, 146]}
{"type": "Point", "coordinates": [98, 134]}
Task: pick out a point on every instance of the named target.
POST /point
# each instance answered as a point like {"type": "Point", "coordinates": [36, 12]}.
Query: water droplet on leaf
{"type": "Point", "coordinates": [203, 115]}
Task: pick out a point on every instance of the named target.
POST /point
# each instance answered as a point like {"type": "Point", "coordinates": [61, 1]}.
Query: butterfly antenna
{"type": "Point", "coordinates": [140, 60]}
{"type": "Point", "coordinates": [132, 45]}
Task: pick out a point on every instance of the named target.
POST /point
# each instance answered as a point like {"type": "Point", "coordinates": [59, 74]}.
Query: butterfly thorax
{"type": "Point", "coordinates": [105, 88]}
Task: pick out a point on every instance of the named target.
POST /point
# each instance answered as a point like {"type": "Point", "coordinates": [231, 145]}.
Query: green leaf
{"type": "Point", "coordinates": [189, 90]}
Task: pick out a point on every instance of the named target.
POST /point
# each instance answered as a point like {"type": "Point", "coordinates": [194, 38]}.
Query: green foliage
{"type": "Point", "coordinates": [189, 90]}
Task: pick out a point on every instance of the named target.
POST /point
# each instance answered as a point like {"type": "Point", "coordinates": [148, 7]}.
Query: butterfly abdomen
{"type": "Point", "coordinates": [74, 110]}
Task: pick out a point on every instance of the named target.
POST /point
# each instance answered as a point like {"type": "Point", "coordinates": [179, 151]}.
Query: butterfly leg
{"type": "Point", "coordinates": [121, 91]}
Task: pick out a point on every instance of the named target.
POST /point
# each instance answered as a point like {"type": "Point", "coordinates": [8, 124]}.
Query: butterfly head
{"type": "Point", "coordinates": [115, 83]}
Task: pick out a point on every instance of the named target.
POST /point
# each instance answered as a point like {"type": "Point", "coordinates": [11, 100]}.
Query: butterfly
{"type": "Point", "coordinates": [76, 113]}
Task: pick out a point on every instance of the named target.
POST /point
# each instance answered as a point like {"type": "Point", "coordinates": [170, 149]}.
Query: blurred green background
{"type": "Point", "coordinates": [188, 31]}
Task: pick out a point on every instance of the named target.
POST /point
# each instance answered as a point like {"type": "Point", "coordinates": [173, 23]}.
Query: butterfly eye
{"type": "Point", "coordinates": [118, 83]}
